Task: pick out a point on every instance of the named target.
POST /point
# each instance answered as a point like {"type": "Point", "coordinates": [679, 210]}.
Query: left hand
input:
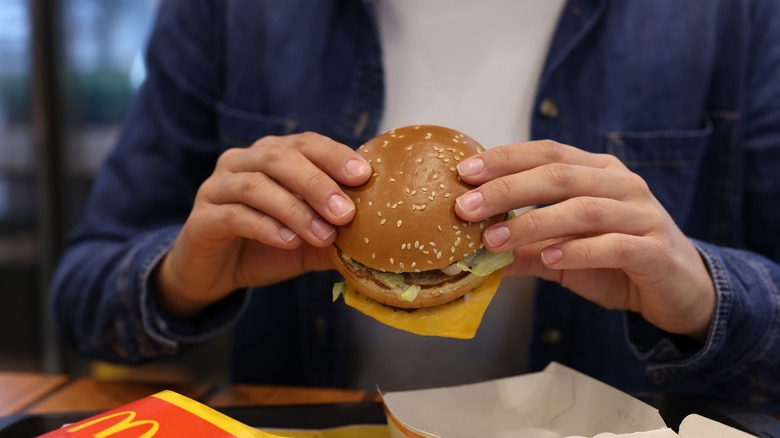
{"type": "Point", "coordinates": [604, 235]}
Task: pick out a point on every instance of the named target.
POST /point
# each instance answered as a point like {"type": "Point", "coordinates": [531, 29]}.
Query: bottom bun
{"type": "Point", "coordinates": [436, 288]}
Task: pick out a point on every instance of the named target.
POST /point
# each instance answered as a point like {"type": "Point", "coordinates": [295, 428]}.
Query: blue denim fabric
{"type": "Point", "coordinates": [685, 92]}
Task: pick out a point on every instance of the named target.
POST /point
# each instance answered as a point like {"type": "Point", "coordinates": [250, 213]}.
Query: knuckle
{"type": "Point", "coordinates": [499, 191]}
{"type": "Point", "coordinates": [532, 223]}
{"type": "Point", "coordinates": [621, 248]}
{"type": "Point", "coordinates": [304, 138]}
{"type": "Point", "coordinates": [276, 154]}
{"type": "Point", "coordinates": [551, 150]}
{"type": "Point", "coordinates": [561, 175]}
{"type": "Point", "coordinates": [228, 156]}
{"type": "Point", "coordinates": [319, 183]}
{"type": "Point", "coordinates": [588, 210]}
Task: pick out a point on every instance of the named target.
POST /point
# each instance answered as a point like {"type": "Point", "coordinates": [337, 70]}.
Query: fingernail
{"type": "Point", "coordinates": [551, 256]}
{"type": "Point", "coordinates": [471, 167]}
{"type": "Point", "coordinates": [287, 234]}
{"type": "Point", "coordinates": [321, 229]}
{"type": "Point", "coordinates": [340, 206]}
{"type": "Point", "coordinates": [496, 236]}
{"type": "Point", "coordinates": [357, 167]}
{"type": "Point", "coordinates": [470, 201]}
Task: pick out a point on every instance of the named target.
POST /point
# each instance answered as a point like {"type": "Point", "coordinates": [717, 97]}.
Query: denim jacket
{"type": "Point", "coordinates": [685, 92]}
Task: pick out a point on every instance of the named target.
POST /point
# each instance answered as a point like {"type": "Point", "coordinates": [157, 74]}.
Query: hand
{"type": "Point", "coordinates": [264, 215]}
{"type": "Point", "coordinates": [604, 235]}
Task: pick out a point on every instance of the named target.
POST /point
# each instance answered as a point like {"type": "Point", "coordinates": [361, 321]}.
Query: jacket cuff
{"type": "Point", "coordinates": [174, 333]}
{"type": "Point", "coordinates": [742, 317]}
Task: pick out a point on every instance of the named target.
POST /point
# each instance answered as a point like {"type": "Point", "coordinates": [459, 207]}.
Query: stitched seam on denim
{"type": "Point", "coordinates": [122, 288]}
{"type": "Point", "coordinates": [149, 323]}
{"type": "Point", "coordinates": [723, 303]}
{"type": "Point", "coordinates": [766, 345]}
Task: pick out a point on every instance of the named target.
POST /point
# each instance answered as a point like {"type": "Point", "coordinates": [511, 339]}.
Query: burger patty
{"type": "Point", "coordinates": [424, 279]}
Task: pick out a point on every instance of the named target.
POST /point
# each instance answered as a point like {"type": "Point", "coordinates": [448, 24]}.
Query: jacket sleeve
{"type": "Point", "coordinates": [742, 352]}
{"type": "Point", "coordinates": [103, 296]}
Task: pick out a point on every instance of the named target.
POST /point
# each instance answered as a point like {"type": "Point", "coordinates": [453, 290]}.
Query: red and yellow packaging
{"type": "Point", "coordinates": [162, 415]}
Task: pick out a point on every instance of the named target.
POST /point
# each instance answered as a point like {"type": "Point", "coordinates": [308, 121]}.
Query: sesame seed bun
{"type": "Point", "coordinates": [405, 221]}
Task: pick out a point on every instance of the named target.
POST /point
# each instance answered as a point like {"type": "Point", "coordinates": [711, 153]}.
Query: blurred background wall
{"type": "Point", "coordinates": [68, 71]}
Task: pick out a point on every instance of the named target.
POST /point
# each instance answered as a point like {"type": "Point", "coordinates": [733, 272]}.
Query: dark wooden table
{"type": "Point", "coordinates": [41, 393]}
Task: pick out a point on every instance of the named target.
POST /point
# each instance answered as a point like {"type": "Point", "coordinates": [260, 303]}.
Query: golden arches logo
{"type": "Point", "coordinates": [126, 423]}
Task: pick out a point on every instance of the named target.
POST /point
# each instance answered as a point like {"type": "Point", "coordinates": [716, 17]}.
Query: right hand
{"type": "Point", "coordinates": [266, 214]}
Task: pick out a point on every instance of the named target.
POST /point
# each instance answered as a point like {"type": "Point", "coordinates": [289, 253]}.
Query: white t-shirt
{"type": "Point", "coordinates": [472, 66]}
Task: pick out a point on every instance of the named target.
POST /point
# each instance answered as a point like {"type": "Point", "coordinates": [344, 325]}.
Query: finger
{"type": "Point", "coordinates": [265, 196]}
{"type": "Point", "coordinates": [612, 250]}
{"type": "Point", "coordinates": [337, 160]}
{"type": "Point", "coordinates": [546, 184]}
{"type": "Point", "coordinates": [246, 222]}
{"type": "Point", "coordinates": [508, 159]}
{"type": "Point", "coordinates": [573, 217]}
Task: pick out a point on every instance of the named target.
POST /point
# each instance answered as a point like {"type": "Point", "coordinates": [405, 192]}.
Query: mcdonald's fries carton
{"type": "Point", "coordinates": [163, 415]}
{"type": "Point", "coordinates": [557, 402]}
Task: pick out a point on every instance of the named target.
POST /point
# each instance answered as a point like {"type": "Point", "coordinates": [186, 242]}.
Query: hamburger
{"type": "Point", "coordinates": [406, 248]}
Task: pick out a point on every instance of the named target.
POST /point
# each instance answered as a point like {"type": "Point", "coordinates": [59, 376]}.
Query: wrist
{"type": "Point", "coordinates": [173, 295]}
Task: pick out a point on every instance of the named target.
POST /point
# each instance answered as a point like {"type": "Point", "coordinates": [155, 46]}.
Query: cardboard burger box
{"type": "Point", "coordinates": [556, 402]}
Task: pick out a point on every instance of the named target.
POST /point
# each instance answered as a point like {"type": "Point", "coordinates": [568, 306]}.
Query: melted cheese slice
{"type": "Point", "coordinates": [458, 319]}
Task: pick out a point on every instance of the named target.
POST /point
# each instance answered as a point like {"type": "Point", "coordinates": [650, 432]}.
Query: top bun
{"type": "Point", "coordinates": [405, 217]}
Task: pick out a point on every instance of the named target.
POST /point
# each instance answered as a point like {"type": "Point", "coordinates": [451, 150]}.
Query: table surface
{"type": "Point", "coordinates": [41, 393]}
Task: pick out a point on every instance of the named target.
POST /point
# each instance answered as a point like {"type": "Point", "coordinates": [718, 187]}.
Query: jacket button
{"type": "Point", "coordinates": [548, 108]}
{"type": "Point", "coordinates": [551, 336]}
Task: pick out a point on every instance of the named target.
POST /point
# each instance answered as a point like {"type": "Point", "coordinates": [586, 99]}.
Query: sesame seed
{"type": "Point", "coordinates": [398, 224]}
{"type": "Point", "coordinates": [370, 203]}
{"type": "Point", "coordinates": [438, 255]}
{"type": "Point", "coordinates": [439, 227]}
{"type": "Point", "coordinates": [457, 241]}
{"type": "Point", "coordinates": [388, 205]}
{"type": "Point", "coordinates": [392, 262]}
{"type": "Point", "coordinates": [373, 255]}
{"type": "Point", "coordinates": [419, 160]}
{"type": "Point", "coordinates": [452, 258]}
{"type": "Point", "coordinates": [422, 248]}
{"type": "Point", "coordinates": [379, 213]}
{"type": "Point", "coordinates": [428, 135]}
{"type": "Point", "coordinates": [452, 249]}
{"type": "Point", "coordinates": [414, 264]}
{"type": "Point", "coordinates": [392, 179]}
{"type": "Point", "coordinates": [429, 262]}
{"type": "Point", "coordinates": [431, 198]}
{"type": "Point", "coordinates": [424, 189]}
{"type": "Point", "coordinates": [471, 245]}
{"type": "Point", "coordinates": [406, 189]}
{"type": "Point", "coordinates": [378, 160]}
{"type": "Point", "coordinates": [403, 246]}
{"type": "Point", "coordinates": [365, 239]}
{"type": "Point", "coordinates": [432, 243]}
{"type": "Point", "coordinates": [401, 265]}
{"type": "Point", "coordinates": [409, 148]}
{"type": "Point", "coordinates": [435, 176]}
{"type": "Point", "coordinates": [416, 243]}
{"type": "Point", "coordinates": [382, 222]}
